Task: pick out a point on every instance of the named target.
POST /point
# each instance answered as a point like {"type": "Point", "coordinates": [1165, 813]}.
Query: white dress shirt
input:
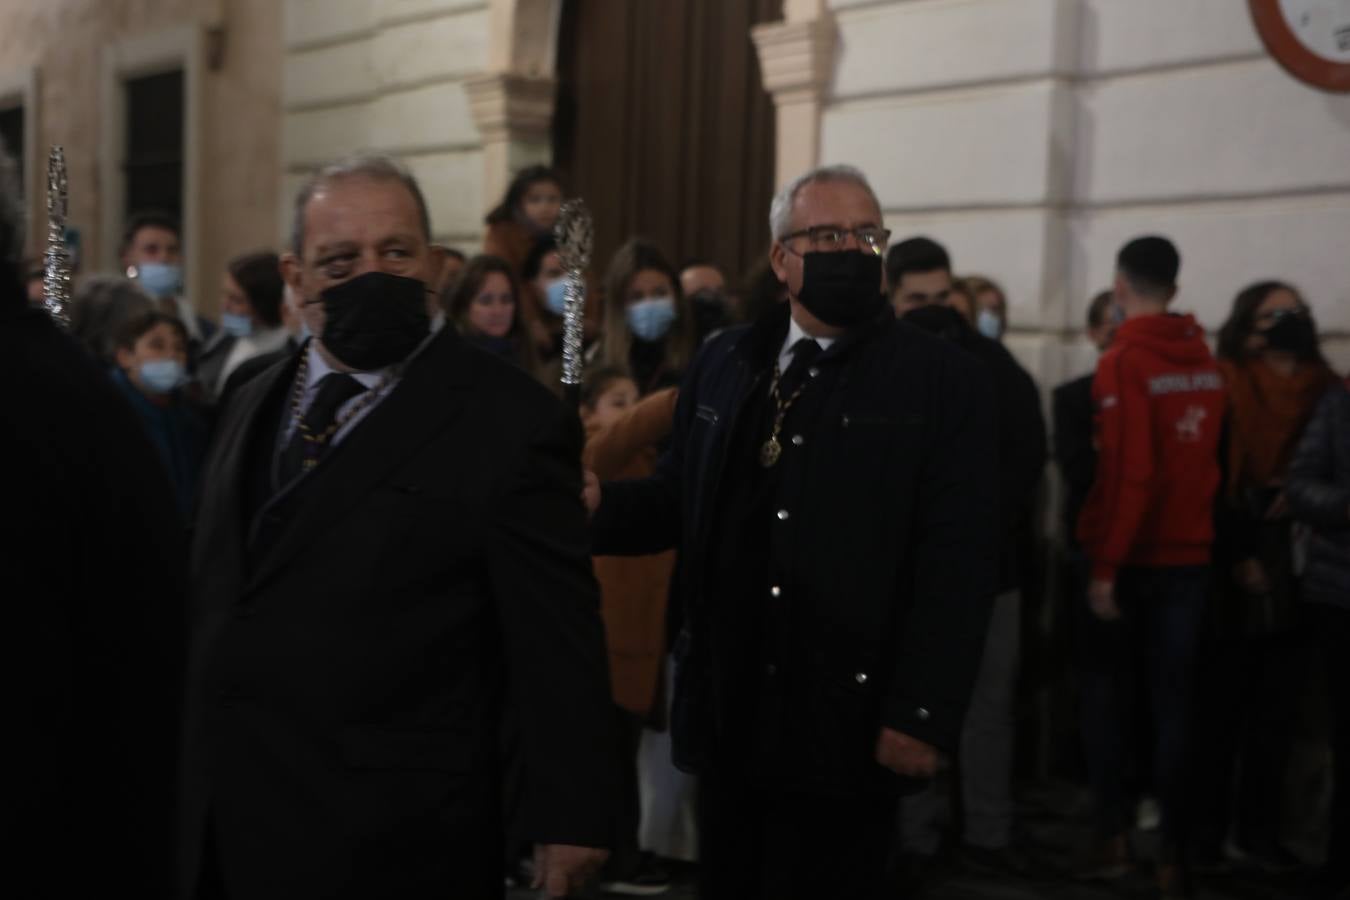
{"type": "Point", "coordinates": [795, 334]}
{"type": "Point", "coordinates": [384, 381]}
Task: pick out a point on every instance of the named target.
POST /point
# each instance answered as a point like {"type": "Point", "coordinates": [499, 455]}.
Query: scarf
{"type": "Point", "coordinates": [1267, 412]}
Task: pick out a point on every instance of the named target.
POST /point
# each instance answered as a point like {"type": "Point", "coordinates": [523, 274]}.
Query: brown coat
{"type": "Point", "coordinates": [634, 590]}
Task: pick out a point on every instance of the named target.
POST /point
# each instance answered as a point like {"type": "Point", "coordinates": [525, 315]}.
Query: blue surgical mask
{"type": "Point", "coordinates": [236, 325]}
{"type": "Point", "coordinates": [650, 320]}
{"type": "Point", "coordinates": [162, 376]}
{"type": "Point", "coordinates": [160, 280]}
{"type": "Point", "coordinates": [989, 324]}
{"type": "Point", "coordinates": [557, 296]}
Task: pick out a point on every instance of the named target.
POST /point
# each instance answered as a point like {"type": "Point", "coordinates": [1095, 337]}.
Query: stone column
{"type": "Point", "coordinates": [514, 114]}
{"type": "Point", "coordinates": [796, 57]}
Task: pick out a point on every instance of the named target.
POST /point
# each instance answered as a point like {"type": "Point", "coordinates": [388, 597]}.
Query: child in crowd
{"type": "Point", "coordinates": [151, 368]}
{"type": "Point", "coordinates": [622, 439]}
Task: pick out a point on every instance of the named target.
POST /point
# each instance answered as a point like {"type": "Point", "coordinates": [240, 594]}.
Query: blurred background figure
{"type": "Point", "coordinates": [985, 757]}
{"type": "Point", "coordinates": [1256, 674]}
{"type": "Point", "coordinates": [483, 303]}
{"type": "Point", "coordinates": [453, 263]}
{"type": "Point", "coordinates": [960, 299]}
{"type": "Point", "coordinates": [152, 255]}
{"type": "Point", "coordinates": [623, 439]}
{"type": "Point", "coordinates": [991, 306]}
{"type": "Point", "coordinates": [151, 372]}
{"type": "Point", "coordinates": [918, 272]}
{"type": "Point", "coordinates": [543, 289]}
{"type": "Point", "coordinates": [761, 291]}
{"type": "Point", "coordinates": [101, 306]}
{"type": "Point", "coordinates": [250, 320]}
{"type": "Point", "coordinates": [515, 226]}
{"type": "Point", "coordinates": [648, 328]}
{"type": "Point", "coordinates": [1318, 488]}
{"type": "Point", "coordinates": [705, 291]}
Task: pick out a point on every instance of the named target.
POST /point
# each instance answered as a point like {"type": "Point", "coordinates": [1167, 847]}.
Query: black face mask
{"type": "Point", "coordinates": [375, 319]}
{"type": "Point", "coordinates": [1292, 333]}
{"type": "Point", "coordinates": [842, 289]}
{"type": "Point", "coordinates": [709, 307]}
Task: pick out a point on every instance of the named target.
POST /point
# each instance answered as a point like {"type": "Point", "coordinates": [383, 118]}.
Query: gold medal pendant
{"type": "Point", "coordinates": [769, 453]}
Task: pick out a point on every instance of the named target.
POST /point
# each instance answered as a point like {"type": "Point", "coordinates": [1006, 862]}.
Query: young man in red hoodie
{"type": "Point", "coordinates": [1147, 528]}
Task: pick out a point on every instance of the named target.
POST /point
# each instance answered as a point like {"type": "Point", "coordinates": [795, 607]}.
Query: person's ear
{"type": "Point", "coordinates": [292, 272]}
{"type": "Point", "coordinates": [778, 261]}
{"type": "Point", "coordinates": [126, 359]}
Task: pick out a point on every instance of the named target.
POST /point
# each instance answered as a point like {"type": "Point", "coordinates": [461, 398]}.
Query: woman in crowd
{"type": "Point", "coordinates": [646, 328]}
{"type": "Point", "coordinates": [1252, 684]}
{"type": "Point", "coordinates": [250, 319]}
{"type": "Point", "coordinates": [622, 438]}
{"type": "Point", "coordinates": [542, 299]}
{"type": "Point", "coordinates": [483, 303]}
{"type": "Point", "coordinates": [962, 299]}
{"type": "Point", "coordinates": [151, 370]}
{"type": "Point", "coordinates": [99, 309]}
{"type": "Point", "coordinates": [990, 306]}
{"type": "Point", "coordinates": [1318, 488]}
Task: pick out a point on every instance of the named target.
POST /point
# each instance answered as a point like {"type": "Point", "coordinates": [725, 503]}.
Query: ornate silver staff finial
{"type": "Point", "coordinates": [56, 261]}
{"type": "Point", "coordinates": [574, 232]}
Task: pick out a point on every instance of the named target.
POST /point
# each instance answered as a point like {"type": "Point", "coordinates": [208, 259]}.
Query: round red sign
{"type": "Point", "coordinates": [1310, 38]}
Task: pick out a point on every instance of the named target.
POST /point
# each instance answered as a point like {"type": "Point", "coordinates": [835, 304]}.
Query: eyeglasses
{"type": "Point", "coordinates": [829, 238]}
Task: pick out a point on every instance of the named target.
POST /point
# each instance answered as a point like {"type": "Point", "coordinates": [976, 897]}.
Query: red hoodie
{"type": "Point", "coordinates": [1160, 404]}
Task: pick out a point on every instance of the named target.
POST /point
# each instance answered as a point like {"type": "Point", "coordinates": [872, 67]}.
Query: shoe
{"type": "Point", "coordinates": [1172, 882]}
{"type": "Point", "coordinates": [649, 879]}
{"type": "Point", "coordinates": [1002, 862]}
{"type": "Point", "coordinates": [1108, 860]}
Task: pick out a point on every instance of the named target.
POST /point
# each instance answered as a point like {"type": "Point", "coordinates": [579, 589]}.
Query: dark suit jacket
{"type": "Point", "coordinates": [93, 552]}
{"type": "Point", "coordinates": [886, 548]}
{"type": "Point", "coordinates": [348, 676]}
{"type": "Point", "coordinates": [1075, 452]}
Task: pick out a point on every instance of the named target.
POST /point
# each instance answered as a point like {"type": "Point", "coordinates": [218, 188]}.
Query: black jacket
{"type": "Point", "coordinates": [1075, 451]}
{"type": "Point", "coordinates": [1318, 487]}
{"type": "Point", "coordinates": [348, 674]}
{"type": "Point", "coordinates": [883, 550]}
{"type": "Point", "coordinates": [94, 562]}
{"type": "Point", "coordinates": [1021, 448]}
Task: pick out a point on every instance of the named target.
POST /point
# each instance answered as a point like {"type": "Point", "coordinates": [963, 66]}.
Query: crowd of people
{"type": "Point", "coordinates": [796, 514]}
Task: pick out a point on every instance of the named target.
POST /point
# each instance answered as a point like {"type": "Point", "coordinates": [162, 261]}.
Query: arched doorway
{"type": "Point", "coordinates": [662, 123]}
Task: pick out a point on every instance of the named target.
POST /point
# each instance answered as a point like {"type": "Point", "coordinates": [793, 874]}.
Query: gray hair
{"type": "Point", "coordinates": [11, 209]}
{"type": "Point", "coordinates": [361, 165]}
{"type": "Point", "coordinates": [780, 211]}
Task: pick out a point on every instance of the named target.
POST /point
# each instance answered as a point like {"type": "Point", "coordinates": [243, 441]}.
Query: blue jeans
{"type": "Point", "coordinates": [1152, 648]}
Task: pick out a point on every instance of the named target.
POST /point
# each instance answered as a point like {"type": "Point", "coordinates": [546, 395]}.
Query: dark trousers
{"type": "Point", "coordinates": [1250, 690]}
{"type": "Point", "coordinates": [1332, 626]}
{"type": "Point", "coordinates": [757, 844]}
{"type": "Point", "coordinates": [627, 854]}
{"type": "Point", "coordinates": [1153, 646]}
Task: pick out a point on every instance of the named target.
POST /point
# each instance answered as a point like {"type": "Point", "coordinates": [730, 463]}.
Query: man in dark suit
{"type": "Point", "coordinates": [830, 486]}
{"type": "Point", "coordinates": [391, 548]}
{"type": "Point", "coordinates": [1073, 411]}
{"type": "Point", "coordinates": [94, 560]}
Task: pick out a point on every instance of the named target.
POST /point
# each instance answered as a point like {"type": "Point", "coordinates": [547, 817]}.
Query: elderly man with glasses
{"type": "Point", "coordinates": [829, 486]}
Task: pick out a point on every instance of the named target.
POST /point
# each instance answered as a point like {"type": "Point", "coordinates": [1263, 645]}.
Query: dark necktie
{"type": "Point", "coordinates": [804, 354]}
{"type": "Point", "coordinates": [312, 440]}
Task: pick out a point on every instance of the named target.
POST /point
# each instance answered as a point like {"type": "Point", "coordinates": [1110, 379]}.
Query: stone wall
{"type": "Point", "coordinates": [67, 47]}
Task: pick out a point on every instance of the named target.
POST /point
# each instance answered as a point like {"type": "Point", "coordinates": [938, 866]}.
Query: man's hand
{"type": "Point", "coordinates": [905, 755]}
{"type": "Point", "coordinates": [1102, 600]}
{"type": "Point", "coordinates": [561, 869]}
{"type": "Point", "coordinates": [590, 493]}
